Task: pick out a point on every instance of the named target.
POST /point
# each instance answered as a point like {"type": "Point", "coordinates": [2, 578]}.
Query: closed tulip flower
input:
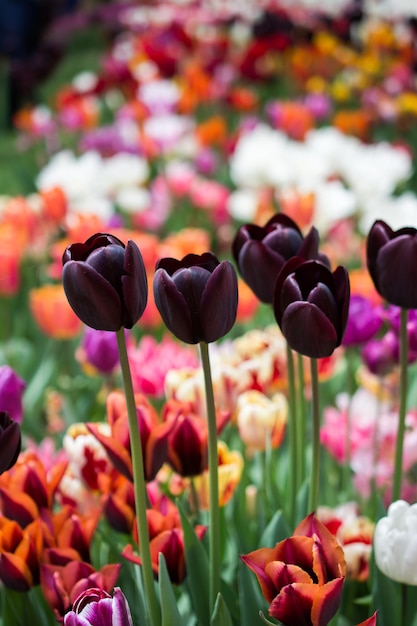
{"type": "Point", "coordinates": [261, 251]}
{"type": "Point", "coordinates": [105, 282]}
{"type": "Point", "coordinates": [311, 306]}
{"type": "Point", "coordinates": [197, 297]}
{"type": "Point", "coordinates": [96, 607]}
{"type": "Point", "coordinates": [392, 260]}
{"type": "Point", "coordinates": [12, 388]}
{"type": "Point", "coordinates": [10, 441]}
{"type": "Point", "coordinates": [395, 543]}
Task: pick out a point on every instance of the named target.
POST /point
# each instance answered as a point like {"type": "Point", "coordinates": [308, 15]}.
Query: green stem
{"type": "Point", "coordinates": [293, 477]}
{"type": "Point", "coordinates": [396, 490]}
{"type": "Point", "coordinates": [214, 513]}
{"type": "Point", "coordinates": [139, 483]}
{"type": "Point", "coordinates": [313, 495]}
{"type": "Point", "coordinates": [301, 419]}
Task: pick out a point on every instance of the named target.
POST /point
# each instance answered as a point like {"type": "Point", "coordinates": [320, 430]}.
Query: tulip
{"type": "Point", "coordinates": [96, 607]}
{"type": "Point", "coordinates": [395, 543]}
{"type": "Point", "coordinates": [302, 576]}
{"type": "Point", "coordinates": [105, 282]}
{"type": "Point", "coordinates": [10, 441]}
{"type": "Point", "coordinates": [20, 554]}
{"type": "Point", "coordinates": [311, 306]}
{"type": "Point", "coordinates": [392, 260]}
{"type": "Point", "coordinates": [11, 392]}
{"type": "Point", "coordinates": [364, 321]}
{"type": "Point", "coordinates": [261, 251]}
{"type": "Point", "coordinates": [197, 297]}
{"type": "Point", "coordinates": [99, 350]}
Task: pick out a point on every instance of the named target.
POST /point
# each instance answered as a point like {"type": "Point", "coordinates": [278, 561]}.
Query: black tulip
{"type": "Point", "coordinates": [311, 306]}
{"type": "Point", "coordinates": [197, 297]}
{"type": "Point", "coordinates": [10, 441]}
{"type": "Point", "coordinates": [392, 263]}
{"type": "Point", "coordinates": [105, 282]}
{"type": "Point", "coordinates": [261, 251]}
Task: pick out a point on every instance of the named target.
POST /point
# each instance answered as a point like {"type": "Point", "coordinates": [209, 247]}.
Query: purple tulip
{"type": "Point", "coordinates": [261, 251]}
{"type": "Point", "coordinates": [11, 392]}
{"type": "Point", "coordinates": [364, 321]}
{"type": "Point", "coordinates": [10, 441]}
{"type": "Point", "coordinates": [100, 349]}
{"type": "Point", "coordinates": [311, 306]}
{"type": "Point", "coordinates": [381, 355]}
{"type": "Point", "coordinates": [95, 607]}
{"type": "Point", "coordinates": [105, 282]}
{"type": "Point", "coordinates": [392, 263]}
{"type": "Point", "coordinates": [197, 297]}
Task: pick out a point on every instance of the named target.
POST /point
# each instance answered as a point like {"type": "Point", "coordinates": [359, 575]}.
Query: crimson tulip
{"type": "Point", "coordinates": [302, 576]}
{"type": "Point", "coordinates": [261, 251]}
{"type": "Point", "coordinates": [96, 607]}
{"type": "Point", "coordinates": [311, 306]}
{"type": "Point", "coordinates": [105, 282]}
{"type": "Point", "coordinates": [197, 297]}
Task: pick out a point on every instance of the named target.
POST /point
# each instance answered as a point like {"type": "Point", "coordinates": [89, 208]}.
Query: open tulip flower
{"type": "Point", "coordinates": [302, 576]}
{"type": "Point", "coordinates": [311, 306]}
{"type": "Point", "coordinates": [105, 282]}
{"type": "Point", "coordinates": [96, 607]}
{"type": "Point", "coordinates": [197, 297]}
{"type": "Point", "coordinates": [392, 260]}
{"type": "Point", "coordinates": [261, 251]}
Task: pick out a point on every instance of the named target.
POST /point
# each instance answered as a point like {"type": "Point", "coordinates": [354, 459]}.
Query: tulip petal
{"type": "Point", "coordinates": [134, 284]}
{"type": "Point", "coordinates": [121, 613]}
{"type": "Point", "coordinates": [93, 299]}
{"type": "Point", "coordinates": [326, 602]}
{"type": "Point", "coordinates": [14, 572]}
{"type": "Point", "coordinates": [10, 446]}
{"type": "Point", "coordinates": [117, 454]}
{"type": "Point", "coordinates": [397, 277]}
{"type": "Point", "coordinates": [378, 236]}
{"type": "Point", "coordinates": [173, 308]}
{"type": "Point", "coordinates": [283, 574]}
{"type": "Point", "coordinates": [218, 306]}
{"type": "Point", "coordinates": [324, 299]}
{"type": "Point", "coordinates": [331, 553]}
{"type": "Point", "coordinates": [308, 330]}
{"type": "Point", "coordinates": [253, 256]}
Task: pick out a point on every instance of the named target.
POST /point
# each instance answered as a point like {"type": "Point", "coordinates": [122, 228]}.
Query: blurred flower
{"type": "Point", "coordinates": [10, 258]}
{"type": "Point", "coordinates": [50, 309]}
{"type": "Point", "coordinates": [11, 392]}
{"type": "Point", "coordinates": [197, 297]}
{"type": "Point", "coordinates": [229, 471]}
{"type": "Point", "coordinates": [302, 576]}
{"type": "Point", "coordinates": [382, 355]}
{"type": "Point", "coordinates": [392, 258]}
{"type": "Point", "coordinates": [261, 419]}
{"type": "Point", "coordinates": [105, 282]}
{"type": "Point", "coordinates": [261, 251]}
{"type": "Point", "coordinates": [20, 554]}
{"type": "Point", "coordinates": [95, 607]}
{"type": "Point", "coordinates": [364, 321]}
{"type": "Point", "coordinates": [311, 306]}
{"type": "Point", "coordinates": [395, 543]}
{"type": "Point", "coordinates": [98, 349]}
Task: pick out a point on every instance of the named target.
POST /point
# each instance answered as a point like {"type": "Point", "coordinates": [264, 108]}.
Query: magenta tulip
{"type": "Point", "coordinates": [96, 607]}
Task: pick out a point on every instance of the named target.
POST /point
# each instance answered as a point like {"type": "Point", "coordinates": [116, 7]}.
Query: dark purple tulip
{"type": "Point", "coordinates": [392, 263]}
{"type": "Point", "coordinates": [364, 321]}
{"type": "Point", "coordinates": [10, 441]}
{"type": "Point", "coordinates": [11, 392]}
{"type": "Point", "coordinates": [95, 607]}
{"type": "Point", "coordinates": [197, 297]}
{"type": "Point", "coordinates": [261, 251]}
{"type": "Point", "coordinates": [311, 306]}
{"type": "Point", "coordinates": [105, 282]}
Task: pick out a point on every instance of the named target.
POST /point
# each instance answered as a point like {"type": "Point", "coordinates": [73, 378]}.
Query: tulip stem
{"type": "Point", "coordinates": [139, 483]}
{"type": "Point", "coordinates": [292, 431]}
{"type": "Point", "coordinates": [301, 419]}
{"type": "Point", "coordinates": [398, 466]}
{"type": "Point", "coordinates": [214, 513]}
{"type": "Point", "coordinates": [313, 495]}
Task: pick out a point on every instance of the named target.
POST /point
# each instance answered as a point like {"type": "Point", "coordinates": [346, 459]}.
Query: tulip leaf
{"type": "Point", "coordinates": [277, 530]}
{"type": "Point", "coordinates": [221, 615]}
{"type": "Point", "coordinates": [251, 600]}
{"type": "Point", "coordinates": [169, 608]}
{"type": "Point", "coordinates": [197, 564]}
{"type": "Point", "coordinates": [386, 594]}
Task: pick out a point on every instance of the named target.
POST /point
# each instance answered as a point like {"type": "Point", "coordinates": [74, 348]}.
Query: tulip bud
{"type": "Point", "coordinates": [364, 321]}
{"type": "Point", "coordinates": [392, 260]}
{"type": "Point", "coordinates": [11, 392]}
{"type": "Point", "coordinates": [311, 306]}
{"type": "Point", "coordinates": [10, 441]}
{"type": "Point", "coordinates": [197, 297]}
{"type": "Point", "coordinates": [261, 251]}
{"type": "Point", "coordinates": [395, 543]}
{"type": "Point", "coordinates": [95, 607]}
{"type": "Point", "coordinates": [105, 282]}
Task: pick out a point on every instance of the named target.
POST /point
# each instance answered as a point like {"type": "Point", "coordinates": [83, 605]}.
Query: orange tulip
{"type": "Point", "coordinates": [20, 553]}
{"type": "Point", "coordinates": [51, 311]}
{"type": "Point", "coordinates": [302, 576]}
{"type": "Point", "coordinates": [229, 472]}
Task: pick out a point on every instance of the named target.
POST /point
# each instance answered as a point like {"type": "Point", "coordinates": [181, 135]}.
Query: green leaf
{"type": "Point", "coordinates": [277, 530]}
{"type": "Point", "coordinates": [251, 600]}
{"type": "Point", "coordinates": [169, 608]}
{"type": "Point", "coordinates": [197, 564]}
{"type": "Point", "coordinates": [386, 595]}
{"type": "Point", "coordinates": [221, 615]}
